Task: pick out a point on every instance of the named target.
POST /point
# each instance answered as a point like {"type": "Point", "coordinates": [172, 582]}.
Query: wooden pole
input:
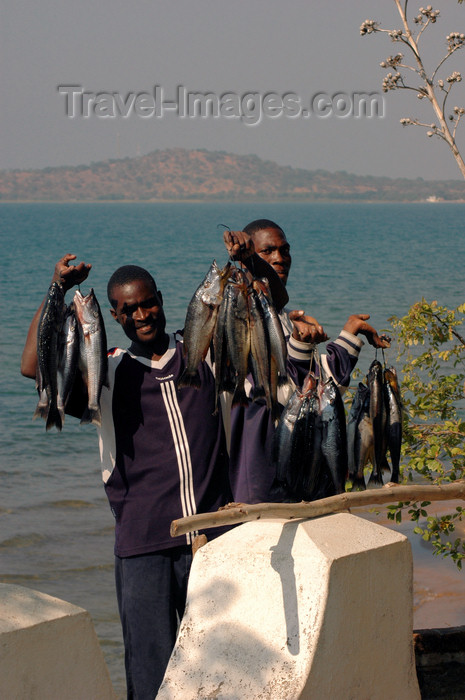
{"type": "Point", "coordinates": [235, 513]}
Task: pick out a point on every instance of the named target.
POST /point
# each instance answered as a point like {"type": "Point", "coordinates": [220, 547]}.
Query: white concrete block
{"type": "Point", "coordinates": [48, 649]}
{"type": "Point", "coordinates": [286, 610]}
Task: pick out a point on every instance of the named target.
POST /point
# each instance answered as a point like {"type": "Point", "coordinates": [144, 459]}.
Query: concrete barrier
{"type": "Point", "coordinates": [299, 609]}
{"type": "Point", "coordinates": [48, 649]}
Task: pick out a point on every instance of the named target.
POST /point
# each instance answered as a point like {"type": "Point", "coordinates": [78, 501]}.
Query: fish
{"type": "Point", "coordinates": [378, 419]}
{"type": "Point", "coordinates": [334, 434]}
{"type": "Point", "coordinates": [238, 337]}
{"type": "Point", "coordinates": [394, 419]}
{"type": "Point", "coordinates": [282, 438]}
{"type": "Point", "coordinates": [68, 357]}
{"type": "Point", "coordinates": [359, 437]}
{"type": "Point", "coordinates": [48, 333]}
{"type": "Point", "coordinates": [259, 350]}
{"type": "Point", "coordinates": [224, 379]}
{"type": "Point", "coordinates": [313, 448]}
{"type": "Point", "coordinates": [93, 360]}
{"type": "Point", "coordinates": [295, 450]}
{"type": "Point", "coordinates": [200, 322]}
{"type": "Point", "coordinates": [277, 340]}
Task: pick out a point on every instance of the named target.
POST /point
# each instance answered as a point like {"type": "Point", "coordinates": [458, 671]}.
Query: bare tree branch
{"type": "Point", "coordinates": [242, 512]}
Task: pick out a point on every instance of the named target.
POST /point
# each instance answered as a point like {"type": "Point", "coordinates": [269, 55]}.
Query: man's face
{"type": "Point", "coordinates": [139, 310]}
{"type": "Point", "coordinates": [271, 245]}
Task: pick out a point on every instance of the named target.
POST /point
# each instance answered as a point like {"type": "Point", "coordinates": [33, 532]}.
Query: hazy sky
{"type": "Point", "coordinates": [229, 48]}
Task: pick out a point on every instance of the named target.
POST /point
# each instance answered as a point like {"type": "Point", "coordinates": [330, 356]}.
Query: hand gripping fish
{"type": "Point", "coordinates": [93, 361]}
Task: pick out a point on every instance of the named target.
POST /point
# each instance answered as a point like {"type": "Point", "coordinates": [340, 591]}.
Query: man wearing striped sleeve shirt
{"type": "Point", "coordinates": [252, 471]}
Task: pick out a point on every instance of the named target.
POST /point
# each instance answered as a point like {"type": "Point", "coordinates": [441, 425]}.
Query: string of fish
{"type": "Point", "coordinates": [68, 338]}
{"type": "Point", "coordinates": [238, 319]}
{"type": "Point", "coordinates": [375, 427]}
{"type": "Point", "coordinates": [310, 437]}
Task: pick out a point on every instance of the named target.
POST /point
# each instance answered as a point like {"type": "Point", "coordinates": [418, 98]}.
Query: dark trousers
{"type": "Point", "coordinates": [151, 591]}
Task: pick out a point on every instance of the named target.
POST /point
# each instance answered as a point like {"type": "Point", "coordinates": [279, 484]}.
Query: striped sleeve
{"type": "Point", "coordinates": [341, 357]}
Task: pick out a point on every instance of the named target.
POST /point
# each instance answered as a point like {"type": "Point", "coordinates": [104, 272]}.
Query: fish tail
{"type": "Point", "coordinates": [358, 482]}
{"type": "Point", "coordinates": [275, 411]}
{"type": "Point", "coordinates": [92, 415]}
{"type": "Point", "coordinates": [258, 392]}
{"type": "Point", "coordinates": [240, 397]}
{"type": "Point", "coordinates": [188, 378]}
{"type": "Point", "coordinates": [376, 477]}
{"type": "Point", "coordinates": [54, 419]}
{"type": "Point", "coordinates": [385, 465]}
{"type": "Point", "coordinates": [41, 411]}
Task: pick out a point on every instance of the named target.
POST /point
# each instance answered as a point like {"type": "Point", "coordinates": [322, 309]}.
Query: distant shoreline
{"type": "Point", "coordinates": [231, 201]}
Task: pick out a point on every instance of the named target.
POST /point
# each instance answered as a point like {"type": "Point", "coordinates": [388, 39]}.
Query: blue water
{"type": "Point", "coordinates": [56, 528]}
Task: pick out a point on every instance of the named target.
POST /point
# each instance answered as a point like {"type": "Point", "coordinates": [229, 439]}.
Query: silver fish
{"type": "Point", "coordinates": [238, 337]}
{"type": "Point", "coordinates": [68, 357]}
{"type": "Point", "coordinates": [93, 361]}
{"type": "Point", "coordinates": [277, 341]}
{"type": "Point", "coordinates": [224, 379]}
{"type": "Point", "coordinates": [48, 333]}
{"type": "Point", "coordinates": [200, 322]}
{"type": "Point", "coordinates": [334, 437]}
{"type": "Point", "coordinates": [359, 437]}
{"type": "Point", "coordinates": [378, 420]}
{"type": "Point", "coordinates": [259, 350]}
{"type": "Point", "coordinates": [296, 443]}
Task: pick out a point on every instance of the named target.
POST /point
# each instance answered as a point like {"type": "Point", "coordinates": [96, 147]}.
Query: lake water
{"type": "Point", "coordinates": [56, 527]}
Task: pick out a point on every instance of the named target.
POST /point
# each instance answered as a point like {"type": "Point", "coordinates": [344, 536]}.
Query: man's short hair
{"type": "Point", "coordinates": [125, 275]}
{"type": "Point", "coordinates": [259, 225]}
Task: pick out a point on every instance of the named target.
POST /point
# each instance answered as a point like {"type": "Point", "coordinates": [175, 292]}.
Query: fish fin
{"type": "Point", "coordinates": [92, 415]}
{"type": "Point", "coordinates": [189, 379]}
{"type": "Point", "coordinates": [54, 419]}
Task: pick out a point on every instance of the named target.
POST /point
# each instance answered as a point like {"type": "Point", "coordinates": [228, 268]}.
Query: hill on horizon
{"type": "Point", "coordinates": [180, 174]}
